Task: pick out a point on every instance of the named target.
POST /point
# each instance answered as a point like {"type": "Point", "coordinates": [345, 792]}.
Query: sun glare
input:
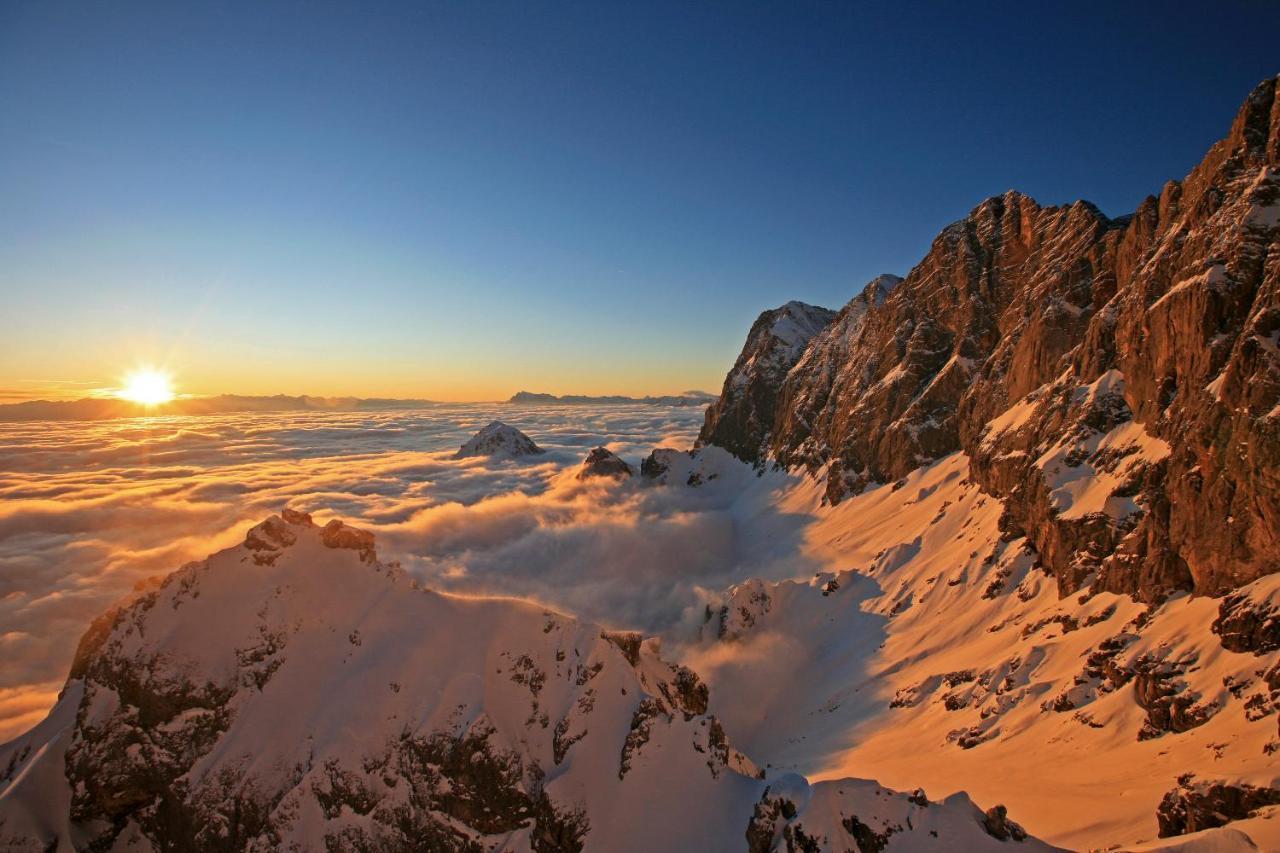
{"type": "Point", "coordinates": [147, 386]}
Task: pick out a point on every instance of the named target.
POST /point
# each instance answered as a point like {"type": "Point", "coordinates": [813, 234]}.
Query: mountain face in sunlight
{"type": "Point", "coordinates": [1001, 536]}
{"type": "Point", "coordinates": [1114, 381]}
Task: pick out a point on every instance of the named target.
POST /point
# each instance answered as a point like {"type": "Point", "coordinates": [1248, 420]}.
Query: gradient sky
{"type": "Point", "coordinates": [459, 200]}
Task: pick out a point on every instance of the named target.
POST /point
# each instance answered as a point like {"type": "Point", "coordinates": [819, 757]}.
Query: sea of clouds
{"type": "Point", "coordinates": [88, 509]}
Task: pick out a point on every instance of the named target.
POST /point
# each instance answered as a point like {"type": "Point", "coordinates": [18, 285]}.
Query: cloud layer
{"type": "Point", "coordinates": [89, 509]}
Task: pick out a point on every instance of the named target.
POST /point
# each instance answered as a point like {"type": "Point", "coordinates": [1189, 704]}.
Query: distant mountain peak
{"type": "Point", "coordinates": [685, 398]}
{"type": "Point", "coordinates": [603, 462]}
{"type": "Point", "coordinates": [497, 439]}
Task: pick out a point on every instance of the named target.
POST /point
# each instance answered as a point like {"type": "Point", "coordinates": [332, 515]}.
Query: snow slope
{"type": "Point", "coordinates": [934, 652]}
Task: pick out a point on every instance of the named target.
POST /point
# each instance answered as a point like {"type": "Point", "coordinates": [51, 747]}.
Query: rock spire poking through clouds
{"type": "Point", "coordinates": [500, 441]}
{"type": "Point", "coordinates": [603, 462]}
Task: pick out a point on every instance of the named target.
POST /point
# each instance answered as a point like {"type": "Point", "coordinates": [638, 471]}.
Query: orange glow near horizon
{"type": "Point", "coordinates": [147, 386]}
{"type": "Point", "coordinates": [73, 373]}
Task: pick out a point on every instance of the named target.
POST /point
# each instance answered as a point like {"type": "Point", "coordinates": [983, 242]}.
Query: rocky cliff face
{"type": "Point", "coordinates": [740, 420]}
{"type": "Point", "coordinates": [1115, 381]}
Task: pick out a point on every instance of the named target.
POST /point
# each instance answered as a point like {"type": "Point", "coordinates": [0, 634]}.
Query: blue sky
{"type": "Point", "coordinates": [459, 200]}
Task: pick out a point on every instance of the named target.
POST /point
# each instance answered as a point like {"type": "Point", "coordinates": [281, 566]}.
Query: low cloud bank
{"type": "Point", "coordinates": [89, 509]}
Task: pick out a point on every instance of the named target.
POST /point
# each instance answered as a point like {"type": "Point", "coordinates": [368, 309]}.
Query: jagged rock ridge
{"type": "Point", "coordinates": [1059, 348]}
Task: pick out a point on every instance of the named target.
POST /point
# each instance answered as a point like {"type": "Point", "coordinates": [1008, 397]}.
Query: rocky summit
{"type": "Point", "coordinates": [603, 462]}
{"type": "Point", "coordinates": [741, 418]}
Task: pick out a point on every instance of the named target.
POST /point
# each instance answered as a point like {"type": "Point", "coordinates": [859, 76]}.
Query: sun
{"type": "Point", "coordinates": [147, 386]}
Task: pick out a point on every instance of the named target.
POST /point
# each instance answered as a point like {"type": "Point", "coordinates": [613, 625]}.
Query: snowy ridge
{"type": "Point", "coordinates": [778, 339]}
{"type": "Point", "coordinates": [795, 324]}
{"type": "Point", "coordinates": [295, 692]}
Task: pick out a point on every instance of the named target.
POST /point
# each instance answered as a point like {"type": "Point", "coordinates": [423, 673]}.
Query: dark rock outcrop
{"type": "Point", "coordinates": [1197, 805]}
{"type": "Point", "coordinates": [1159, 690]}
{"type": "Point", "coordinates": [658, 462]}
{"type": "Point", "coordinates": [997, 824]}
{"type": "Point", "coordinates": [1249, 619]}
{"type": "Point", "coordinates": [603, 462]}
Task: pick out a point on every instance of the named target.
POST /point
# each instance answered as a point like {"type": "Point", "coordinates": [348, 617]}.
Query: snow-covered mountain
{"type": "Point", "coordinates": [939, 653]}
{"type": "Point", "coordinates": [499, 440]}
{"type": "Point", "coordinates": [294, 692]}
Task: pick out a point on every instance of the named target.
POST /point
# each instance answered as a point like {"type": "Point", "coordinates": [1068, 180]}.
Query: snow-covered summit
{"type": "Point", "coordinates": [499, 440]}
{"type": "Point", "coordinates": [880, 287]}
{"type": "Point", "coordinates": [795, 323]}
{"type": "Point", "coordinates": [741, 418]}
